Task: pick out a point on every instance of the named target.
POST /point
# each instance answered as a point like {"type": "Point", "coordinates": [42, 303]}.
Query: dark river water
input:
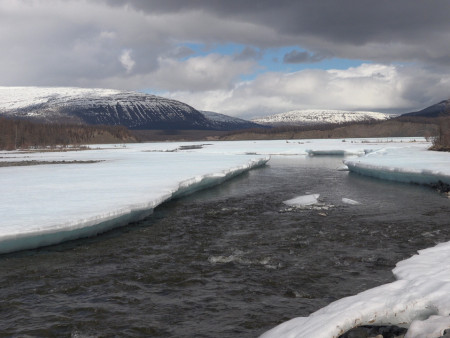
{"type": "Point", "coordinates": [230, 261]}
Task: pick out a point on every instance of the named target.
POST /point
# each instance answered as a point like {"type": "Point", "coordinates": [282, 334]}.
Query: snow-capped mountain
{"type": "Point", "coordinates": [319, 117]}
{"type": "Point", "coordinates": [225, 122]}
{"type": "Point", "coordinates": [99, 106]}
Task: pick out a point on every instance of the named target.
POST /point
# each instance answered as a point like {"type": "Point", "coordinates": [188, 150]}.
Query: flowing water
{"type": "Point", "coordinates": [231, 261]}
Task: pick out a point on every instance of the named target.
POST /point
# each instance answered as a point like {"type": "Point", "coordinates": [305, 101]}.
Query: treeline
{"type": "Point", "coordinates": [24, 134]}
{"type": "Point", "coordinates": [396, 127]}
{"type": "Point", "coordinates": [302, 128]}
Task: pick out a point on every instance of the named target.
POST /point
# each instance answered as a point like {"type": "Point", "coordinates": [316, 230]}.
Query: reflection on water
{"type": "Point", "coordinates": [228, 261]}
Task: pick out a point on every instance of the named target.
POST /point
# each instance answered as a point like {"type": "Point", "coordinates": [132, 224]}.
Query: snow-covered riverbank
{"type": "Point", "coordinates": [420, 298]}
{"type": "Point", "coordinates": [113, 185]}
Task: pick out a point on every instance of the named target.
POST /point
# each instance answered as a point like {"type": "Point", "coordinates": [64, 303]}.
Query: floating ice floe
{"type": "Point", "coordinates": [303, 201]}
{"type": "Point", "coordinates": [349, 201]}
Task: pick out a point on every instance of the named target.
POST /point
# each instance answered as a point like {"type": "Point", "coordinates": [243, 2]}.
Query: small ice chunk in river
{"type": "Point", "coordinates": [301, 201]}
{"type": "Point", "coordinates": [349, 201]}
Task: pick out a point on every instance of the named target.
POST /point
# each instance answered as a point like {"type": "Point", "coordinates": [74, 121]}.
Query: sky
{"type": "Point", "coordinates": [247, 58]}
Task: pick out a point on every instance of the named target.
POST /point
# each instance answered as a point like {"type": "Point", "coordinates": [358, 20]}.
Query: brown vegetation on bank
{"type": "Point", "coordinates": [441, 142]}
{"type": "Point", "coordinates": [22, 134]}
{"type": "Point", "coordinates": [398, 127]}
{"type": "Point", "coordinates": [151, 135]}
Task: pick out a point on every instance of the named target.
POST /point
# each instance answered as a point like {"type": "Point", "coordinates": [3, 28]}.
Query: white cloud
{"type": "Point", "coordinates": [201, 73]}
{"type": "Point", "coordinates": [126, 60]}
{"type": "Point", "coordinates": [373, 87]}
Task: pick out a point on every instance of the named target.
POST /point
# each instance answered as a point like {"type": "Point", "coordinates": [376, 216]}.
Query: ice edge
{"type": "Point", "coordinates": [103, 223]}
{"type": "Point", "coordinates": [426, 177]}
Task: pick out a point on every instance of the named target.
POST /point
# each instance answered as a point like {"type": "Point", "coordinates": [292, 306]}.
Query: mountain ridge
{"type": "Point", "coordinates": [99, 106]}
{"type": "Point", "coordinates": [436, 110]}
{"type": "Point", "coordinates": [94, 106]}
{"type": "Point", "coordinates": [309, 117]}
{"type": "Point", "coordinates": [230, 122]}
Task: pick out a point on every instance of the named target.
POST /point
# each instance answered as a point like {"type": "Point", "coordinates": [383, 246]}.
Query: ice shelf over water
{"type": "Point", "coordinates": [408, 164]}
{"type": "Point", "coordinates": [50, 203]}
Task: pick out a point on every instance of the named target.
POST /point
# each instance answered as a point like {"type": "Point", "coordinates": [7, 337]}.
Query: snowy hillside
{"type": "Point", "coordinates": [99, 106]}
{"type": "Point", "coordinates": [225, 122]}
{"type": "Point", "coordinates": [317, 117]}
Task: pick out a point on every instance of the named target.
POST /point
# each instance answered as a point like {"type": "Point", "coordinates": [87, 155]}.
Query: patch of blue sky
{"type": "Point", "coordinates": [273, 61]}
{"type": "Point", "coordinates": [270, 59]}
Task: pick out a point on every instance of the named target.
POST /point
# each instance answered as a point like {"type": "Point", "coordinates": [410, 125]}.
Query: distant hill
{"type": "Point", "coordinates": [436, 110]}
{"type": "Point", "coordinates": [133, 110]}
{"type": "Point", "coordinates": [225, 122]}
{"type": "Point", "coordinates": [311, 117]}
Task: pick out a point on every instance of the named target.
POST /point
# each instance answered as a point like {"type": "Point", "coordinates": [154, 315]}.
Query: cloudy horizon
{"type": "Point", "coordinates": [242, 58]}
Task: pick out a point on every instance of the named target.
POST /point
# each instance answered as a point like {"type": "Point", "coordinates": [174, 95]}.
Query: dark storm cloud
{"type": "Point", "coordinates": [249, 53]}
{"type": "Point", "coordinates": [302, 57]}
{"type": "Point", "coordinates": [344, 28]}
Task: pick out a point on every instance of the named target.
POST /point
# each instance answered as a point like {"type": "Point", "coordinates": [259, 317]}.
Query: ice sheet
{"type": "Point", "coordinates": [47, 204]}
{"type": "Point", "coordinates": [407, 164]}
{"type": "Point", "coordinates": [290, 147]}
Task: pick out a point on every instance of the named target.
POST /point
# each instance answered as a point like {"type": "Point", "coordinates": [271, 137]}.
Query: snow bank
{"type": "Point", "coordinates": [431, 327]}
{"type": "Point", "coordinates": [421, 293]}
{"type": "Point", "coordinates": [48, 204]}
{"type": "Point", "coordinates": [410, 165]}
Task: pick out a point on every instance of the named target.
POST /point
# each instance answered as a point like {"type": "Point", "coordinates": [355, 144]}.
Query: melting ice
{"type": "Point", "coordinates": [47, 204]}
